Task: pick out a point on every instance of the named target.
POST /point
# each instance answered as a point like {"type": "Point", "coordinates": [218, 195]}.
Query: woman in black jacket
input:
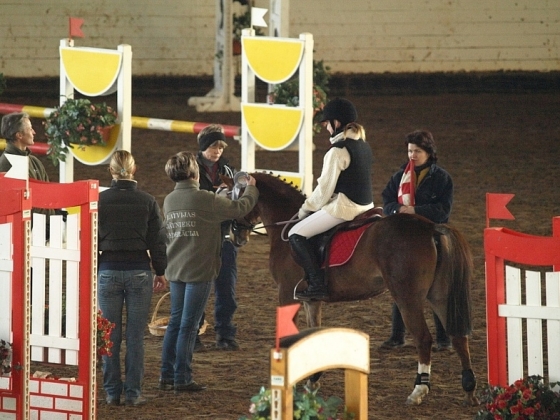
{"type": "Point", "coordinates": [131, 242]}
{"type": "Point", "coordinates": [419, 187]}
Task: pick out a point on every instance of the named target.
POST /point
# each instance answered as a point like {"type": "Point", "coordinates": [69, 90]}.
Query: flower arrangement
{"type": "Point", "coordinates": [288, 92]}
{"type": "Point", "coordinates": [527, 399]}
{"type": "Point", "coordinates": [104, 330]}
{"type": "Point", "coordinates": [77, 122]}
{"type": "Point", "coordinates": [307, 406]}
{"type": "Point", "coordinates": [5, 357]}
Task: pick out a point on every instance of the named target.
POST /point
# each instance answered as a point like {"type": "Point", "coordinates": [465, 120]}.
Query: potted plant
{"type": "Point", "coordinates": [528, 398]}
{"type": "Point", "coordinates": [288, 92]}
{"type": "Point", "coordinates": [307, 405]}
{"type": "Point", "coordinates": [77, 123]}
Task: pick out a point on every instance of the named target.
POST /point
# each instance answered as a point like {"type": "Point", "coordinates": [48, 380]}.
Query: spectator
{"type": "Point", "coordinates": [131, 236]}
{"type": "Point", "coordinates": [212, 164]}
{"type": "Point", "coordinates": [419, 187]}
{"type": "Point", "coordinates": [193, 220]}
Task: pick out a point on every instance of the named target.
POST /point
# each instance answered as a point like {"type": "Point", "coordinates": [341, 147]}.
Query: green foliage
{"type": "Point", "coordinates": [5, 357]}
{"type": "Point", "coordinates": [288, 92]}
{"type": "Point", "coordinates": [79, 123]}
{"type": "Point", "coordinates": [307, 406]}
{"type": "Point", "coordinates": [527, 399]}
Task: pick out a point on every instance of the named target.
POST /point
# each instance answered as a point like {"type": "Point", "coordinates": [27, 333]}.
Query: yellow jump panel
{"type": "Point", "coordinates": [273, 127]}
{"type": "Point", "coordinates": [274, 60]}
{"type": "Point", "coordinates": [92, 71]}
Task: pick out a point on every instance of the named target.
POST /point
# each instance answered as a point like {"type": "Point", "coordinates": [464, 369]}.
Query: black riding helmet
{"type": "Point", "coordinates": [342, 110]}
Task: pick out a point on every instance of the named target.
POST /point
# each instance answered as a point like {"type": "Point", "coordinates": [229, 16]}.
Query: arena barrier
{"type": "Point", "coordinates": [514, 305]}
{"type": "Point", "coordinates": [55, 320]}
{"type": "Point", "coordinates": [317, 350]}
{"type": "Point", "coordinates": [137, 122]}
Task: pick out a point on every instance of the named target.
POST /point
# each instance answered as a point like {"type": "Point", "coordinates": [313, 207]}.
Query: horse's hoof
{"type": "Point", "coordinates": [420, 391]}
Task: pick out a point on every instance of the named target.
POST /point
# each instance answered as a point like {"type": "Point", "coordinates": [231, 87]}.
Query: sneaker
{"type": "Point", "coordinates": [227, 344]}
{"type": "Point", "coordinates": [113, 401]}
{"type": "Point", "coordinates": [444, 346]}
{"type": "Point", "coordinates": [165, 384]}
{"type": "Point", "coordinates": [136, 401]}
{"type": "Point", "coordinates": [392, 343]}
{"type": "Point", "coordinates": [192, 387]}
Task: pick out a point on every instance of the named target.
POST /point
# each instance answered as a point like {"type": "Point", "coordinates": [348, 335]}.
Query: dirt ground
{"type": "Point", "coordinates": [489, 142]}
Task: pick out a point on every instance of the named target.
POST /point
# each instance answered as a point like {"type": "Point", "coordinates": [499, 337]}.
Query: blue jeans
{"type": "Point", "coordinates": [224, 289]}
{"type": "Point", "coordinates": [188, 301]}
{"type": "Point", "coordinates": [115, 288]}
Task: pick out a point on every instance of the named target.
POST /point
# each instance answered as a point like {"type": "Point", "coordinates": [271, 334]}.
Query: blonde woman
{"type": "Point", "coordinates": [131, 243]}
{"type": "Point", "coordinates": [343, 191]}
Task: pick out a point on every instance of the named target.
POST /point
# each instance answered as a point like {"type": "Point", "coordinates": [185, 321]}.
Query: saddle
{"type": "Point", "coordinates": [336, 246]}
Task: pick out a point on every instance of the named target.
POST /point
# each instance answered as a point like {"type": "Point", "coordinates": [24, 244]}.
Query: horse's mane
{"type": "Point", "coordinates": [278, 190]}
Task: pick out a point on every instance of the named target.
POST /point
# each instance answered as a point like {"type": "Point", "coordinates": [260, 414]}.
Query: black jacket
{"type": "Point", "coordinates": [130, 224]}
{"type": "Point", "coordinates": [433, 197]}
{"type": "Point", "coordinates": [209, 184]}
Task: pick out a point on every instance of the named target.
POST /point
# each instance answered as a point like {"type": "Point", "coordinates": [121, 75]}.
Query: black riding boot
{"type": "Point", "coordinates": [397, 330]}
{"type": "Point", "coordinates": [305, 256]}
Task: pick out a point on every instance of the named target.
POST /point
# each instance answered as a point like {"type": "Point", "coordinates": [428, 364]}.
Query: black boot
{"type": "Point", "coordinates": [305, 256]}
{"type": "Point", "coordinates": [397, 330]}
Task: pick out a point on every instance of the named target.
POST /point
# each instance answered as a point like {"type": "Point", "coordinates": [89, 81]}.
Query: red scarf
{"type": "Point", "coordinates": [407, 185]}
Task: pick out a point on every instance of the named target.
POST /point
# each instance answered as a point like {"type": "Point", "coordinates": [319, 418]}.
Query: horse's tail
{"type": "Point", "coordinates": [456, 265]}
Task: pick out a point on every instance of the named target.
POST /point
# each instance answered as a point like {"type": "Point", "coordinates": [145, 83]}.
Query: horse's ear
{"type": "Point", "coordinates": [227, 180]}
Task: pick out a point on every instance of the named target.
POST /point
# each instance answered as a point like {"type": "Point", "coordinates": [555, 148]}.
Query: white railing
{"type": "Point", "coordinates": [55, 290]}
{"type": "Point", "coordinates": [527, 352]}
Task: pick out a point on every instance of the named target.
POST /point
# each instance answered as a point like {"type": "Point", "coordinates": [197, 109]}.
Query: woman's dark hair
{"type": "Point", "coordinates": [424, 140]}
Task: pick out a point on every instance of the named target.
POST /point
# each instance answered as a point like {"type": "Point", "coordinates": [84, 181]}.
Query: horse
{"type": "Point", "coordinates": [407, 254]}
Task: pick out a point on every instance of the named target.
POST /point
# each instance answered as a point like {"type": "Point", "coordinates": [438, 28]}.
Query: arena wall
{"type": "Point", "coordinates": [176, 38]}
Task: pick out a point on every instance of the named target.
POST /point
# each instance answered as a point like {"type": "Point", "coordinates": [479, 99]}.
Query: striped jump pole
{"type": "Point", "coordinates": [137, 122]}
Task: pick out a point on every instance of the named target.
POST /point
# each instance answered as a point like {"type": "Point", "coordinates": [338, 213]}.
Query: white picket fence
{"type": "Point", "coordinates": [6, 268]}
{"type": "Point", "coordinates": [533, 328]}
{"type": "Point", "coordinates": [54, 289]}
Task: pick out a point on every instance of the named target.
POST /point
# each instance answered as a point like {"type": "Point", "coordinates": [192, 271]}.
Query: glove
{"type": "Point", "coordinates": [302, 214]}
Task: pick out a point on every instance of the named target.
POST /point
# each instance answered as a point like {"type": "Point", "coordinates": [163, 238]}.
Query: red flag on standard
{"type": "Point", "coordinates": [76, 27]}
{"type": "Point", "coordinates": [285, 321]}
{"type": "Point", "coordinates": [496, 206]}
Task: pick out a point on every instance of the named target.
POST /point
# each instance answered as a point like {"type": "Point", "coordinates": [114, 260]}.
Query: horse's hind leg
{"type": "Point", "coordinates": [468, 381]}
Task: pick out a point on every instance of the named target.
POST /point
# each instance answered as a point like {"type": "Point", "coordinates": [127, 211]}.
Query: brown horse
{"type": "Point", "coordinates": [415, 259]}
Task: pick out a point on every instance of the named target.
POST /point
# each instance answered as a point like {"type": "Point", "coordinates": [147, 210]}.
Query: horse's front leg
{"type": "Point", "coordinates": [468, 381]}
{"type": "Point", "coordinates": [313, 313]}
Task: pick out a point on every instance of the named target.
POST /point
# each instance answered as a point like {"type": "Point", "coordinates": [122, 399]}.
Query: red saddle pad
{"type": "Point", "coordinates": [343, 245]}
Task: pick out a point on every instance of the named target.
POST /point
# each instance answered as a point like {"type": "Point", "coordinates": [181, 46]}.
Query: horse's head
{"type": "Point", "coordinates": [278, 202]}
{"type": "Point", "coordinates": [241, 227]}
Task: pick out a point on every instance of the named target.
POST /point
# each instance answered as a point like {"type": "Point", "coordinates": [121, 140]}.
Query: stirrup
{"type": "Point", "coordinates": [307, 295]}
